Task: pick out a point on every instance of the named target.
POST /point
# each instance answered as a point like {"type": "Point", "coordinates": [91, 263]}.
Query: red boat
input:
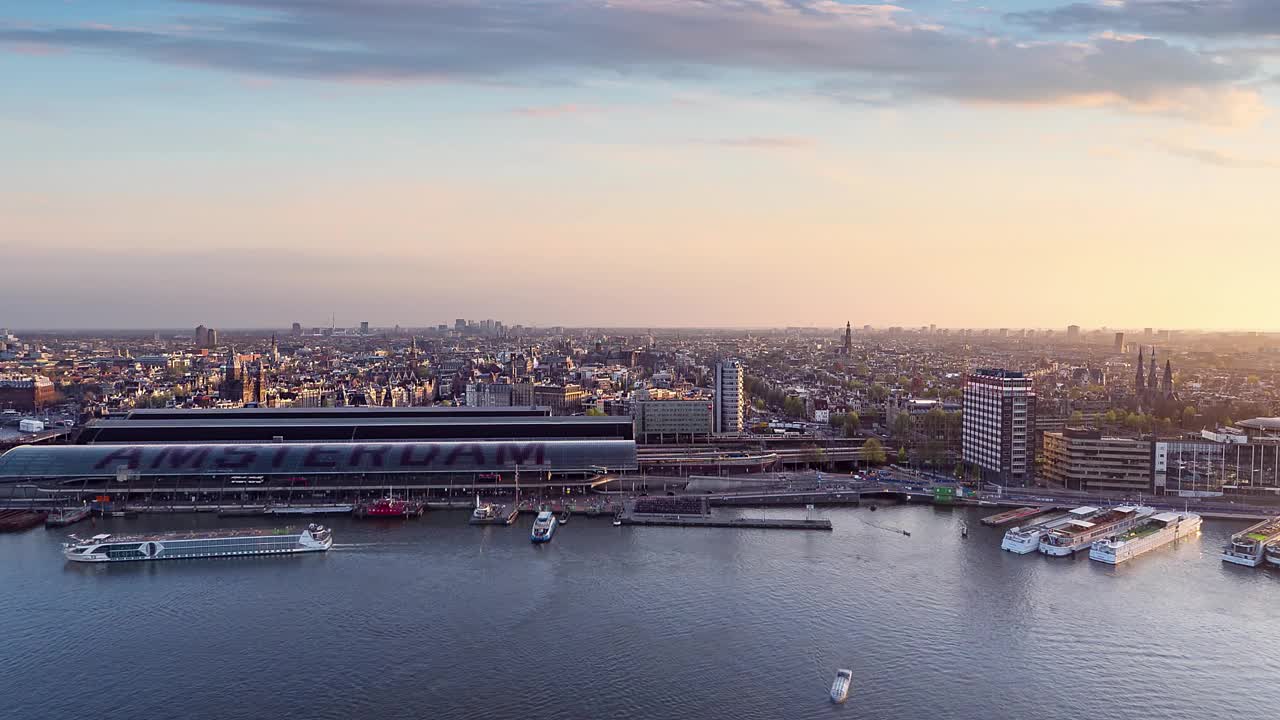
{"type": "Point", "coordinates": [18, 520]}
{"type": "Point", "coordinates": [389, 507]}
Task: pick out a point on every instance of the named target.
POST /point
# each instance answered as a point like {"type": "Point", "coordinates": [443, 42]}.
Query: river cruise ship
{"type": "Point", "coordinates": [1246, 547]}
{"type": "Point", "coordinates": [1078, 535]}
{"type": "Point", "coordinates": [1156, 532]}
{"type": "Point", "coordinates": [1023, 540]}
{"type": "Point", "coordinates": [204, 544]}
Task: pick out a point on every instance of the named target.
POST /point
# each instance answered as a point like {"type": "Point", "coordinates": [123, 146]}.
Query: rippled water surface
{"type": "Point", "coordinates": [432, 618]}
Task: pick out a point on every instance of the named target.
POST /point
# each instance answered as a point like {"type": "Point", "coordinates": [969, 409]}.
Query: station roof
{"type": "Point", "coordinates": [75, 461]}
{"type": "Point", "coordinates": [362, 413]}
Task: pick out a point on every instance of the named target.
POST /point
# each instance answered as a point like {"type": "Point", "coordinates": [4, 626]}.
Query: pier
{"type": "Point", "coordinates": [711, 521]}
{"type": "Point", "coordinates": [1015, 515]}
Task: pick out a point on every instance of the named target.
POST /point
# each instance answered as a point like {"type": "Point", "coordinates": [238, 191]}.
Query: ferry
{"type": "Point", "coordinates": [543, 527]}
{"type": "Point", "coordinates": [1077, 535]}
{"type": "Point", "coordinates": [1156, 532]}
{"type": "Point", "coordinates": [202, 544]}
{"type": "Point", "coordinates": [840, 686]}
{"type": "Point", "coordinates": [1023, 540]}
{"type": "Point", "coordinates": [483, 513]}
{"type": "Point", "coordinates": [1246, 547]}
{"type": "Point", "coordinates": [389, 506]}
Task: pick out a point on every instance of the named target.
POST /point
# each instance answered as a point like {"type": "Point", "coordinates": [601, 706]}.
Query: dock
{"type": "Point", "coordinates": [1015, 515]}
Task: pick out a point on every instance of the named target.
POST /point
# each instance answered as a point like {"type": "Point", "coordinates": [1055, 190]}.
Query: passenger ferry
{"type": "Point", "coordinates": [840, 686]}
{"type": "Point", "coordinates": [1023, 540]}
{"type": "Point", "coordinates": [1160, 530]}
{"type": "Point", "coordinates": [1077, 535]}
{"type": "Point", "coordinates": [204, 544]}
{"type": "Point", "coordinates": [543, 527]}
{"type": "Point", "coordinates": [1246, 547]}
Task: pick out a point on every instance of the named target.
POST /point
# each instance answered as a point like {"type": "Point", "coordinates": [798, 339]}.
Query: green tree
{"type": "Point", "coordinates": [1188, 416]}
{"type": "Point", "coordinates": [873, 452]}
{"type": "Point", "coordinates": [902, 455]}
{"type": "Point", "coordinates": [852, 424]}
{"type": "Point", "coordinates": [594, 411]}
{"type": "Point", "coordinates": [1077, 419]}
{"type": "Point", "coordinates": [878, 392]}
{"type": "Point", "coordinates": [793, 406]}
{"type": "Point", "coordinates": [902, 425]}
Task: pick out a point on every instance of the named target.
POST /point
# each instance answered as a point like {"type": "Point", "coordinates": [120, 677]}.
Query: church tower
{"type": "Point", "coordinates": [1167, 383]}
{"type": "Point", "coordinates": [1139, 383]}
{"type": "Point", "coordinates": [848, 338]}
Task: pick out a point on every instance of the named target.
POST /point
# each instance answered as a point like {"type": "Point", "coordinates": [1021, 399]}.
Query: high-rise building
{"type": "Point", "coordinates": [211, 339]}
{"type": "Point", "coordinates": [997, 432]}
{"type": "Point", "coordinates": [364, 327]}
{"type": "Point", "coordinates": [297, 328]}
{"type": "Point", "coordinates": [730, 399]}
{"type": "Point", "coordinates": [460, 324]}
{"type": "Point", "coordinates": [1119, 345]}
{"type": "Point", "coordinates": [202, 336]}
{"type": "Point", "coordinates": [1073, 333]}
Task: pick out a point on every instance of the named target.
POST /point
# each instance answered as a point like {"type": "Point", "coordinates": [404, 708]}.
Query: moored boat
{"type": "Point", "coordinates": [63, 517]}
{"type": "Point", "coordinates": [1026, 539]}
{"type": "Point", "coordinates": [1247, 546]}
{"type": "Point", "coordinates": [203, 544]}
{"type": "Point", "coordinates": [389, 507]}
{"type": "Point", "coordinates": [19, 520]}
{"type": "Point", "coordinates": [1076, 535]}
{"type": "Point", "coordinates": [1155, 532]}
{"type": "Point", "coordinates": [840, 686]}
{"type": "Point", "coordinates": [563, 518]}
{"type": "Point", "coordinates": [543, 527]}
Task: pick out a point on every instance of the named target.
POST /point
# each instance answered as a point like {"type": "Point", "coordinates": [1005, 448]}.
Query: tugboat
{"type": "Point", "coordinates": [389, 507]}
{"type": "Point", "coordinates": [543, 527]}
{"type": "Point", "coordinates": [840, 686]}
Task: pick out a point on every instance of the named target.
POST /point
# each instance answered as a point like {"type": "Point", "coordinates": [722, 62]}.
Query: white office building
{"type": "Point", "coordinates": [998, 427]}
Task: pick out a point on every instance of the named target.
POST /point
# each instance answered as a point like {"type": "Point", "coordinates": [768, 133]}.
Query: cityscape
{"type": "Point", "coordinates": [639, 359]}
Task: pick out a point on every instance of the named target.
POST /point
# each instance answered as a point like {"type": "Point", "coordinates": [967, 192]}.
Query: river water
{"type": "Point", "coordinates": [432, 618]}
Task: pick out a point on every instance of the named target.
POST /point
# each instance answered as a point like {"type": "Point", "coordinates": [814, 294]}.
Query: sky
{"type": "Point", "coordinates": [967, 163]}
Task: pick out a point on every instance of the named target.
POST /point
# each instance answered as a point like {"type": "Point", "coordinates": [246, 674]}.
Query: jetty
{"type": "Point", "coordinates": [1015, 515]}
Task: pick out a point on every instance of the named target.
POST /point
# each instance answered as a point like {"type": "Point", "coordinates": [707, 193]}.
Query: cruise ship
{"type": "Point", "coordinates": [1247, 546]}
{"type": "Point", "coordinates": [543, 527]}
{"type": "Point", "coordinates": [205, 544]}
{"type": "Point", "coordinates": [1156, 532]}
{"type": "Point", "coordinates": [1077, 535]}
{"type": "Point", "coordinates": [1023, 540]}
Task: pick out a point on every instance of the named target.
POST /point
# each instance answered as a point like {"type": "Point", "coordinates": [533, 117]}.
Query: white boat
{"type": "Point", "coordinates": [1145, 536]}
{"type": "Point", "coordinates": [310, 509]}
{"type": "Point", "coordinates": [1247, 546]}
{"type": "Point", "coordinates": [1273, 553]}
{"type": "Point", "coordinates": [1076, 535]}
{"type": "Point", "coordinates": [617, 522]}
{"type": "Point", "coordinates": [543, 527]}
{"type": "Point", "coordinates": [1023, 540]}
{"type": "Point", "coordinates": [840, 686]}
{"type": "Point", "coordinates": [483, 512]}
{"type": "Point", "coordinates": [206, 544]}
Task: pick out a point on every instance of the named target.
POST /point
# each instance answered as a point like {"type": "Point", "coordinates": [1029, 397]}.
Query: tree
{"type": "Point", "coordinates": [1077, 419]}
{"type": "Point", "coordinates": [873, 452]}
{"type": "Point", "coordinates": [815, 456]}
{"type": "Point", "coordinates": [1188, 416]}
{"type": "Point", "coordinates": [852, 424]}
{"type": "Point", "coordinates": [594, 412]}
{"type": "Point", "coordinates": [878, 392]}
{"type": "Point", "coordinates": [793, 406]}
{"type": "Point", "coordinates": [902, 455]}
{"type": "Point", "coordinates": [901, 425]}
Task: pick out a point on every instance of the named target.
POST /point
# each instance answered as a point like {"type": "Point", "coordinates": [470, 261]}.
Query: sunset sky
{"type": "Point", "coordinates": [975, 163]}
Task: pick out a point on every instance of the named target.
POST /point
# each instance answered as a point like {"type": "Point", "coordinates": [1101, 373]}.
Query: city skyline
{"type": "Point", "coordinates": [727, 164]}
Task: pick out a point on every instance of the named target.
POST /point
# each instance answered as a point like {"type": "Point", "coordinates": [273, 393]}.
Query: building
{"type": "Point", "coordinates": [997, 434]}
{"type": "Point", "coordinates": [242, 384]}
{"type": "Point", "coordinates": [1073, 333]}
{"type": "Point", "coordinates": [674, 421]}
{"type": "Point", "coordinates": [364, 327]}
{"type": "Point", "coordinates": [202, 336]}
{"type": "Point", "coordinates": [730, 399]}
{"type": "Point", "coordinates": [848, 339]}
{"type": "Point", "coordinates": [562, 399]}
{"type": "Point", "coordinates": [296, 329]}
{"type": "Point", "coordinates": [1083, 459]}
{"type": "Point", "coordinates": [1119, 343]}
{"type": "Point", "coordinates": [26, 392]}
{"type": "Point", "coordinates": [489, 395]}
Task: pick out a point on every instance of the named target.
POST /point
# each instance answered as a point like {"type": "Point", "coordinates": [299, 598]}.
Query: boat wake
{"type": "Point", "coordinates": [887, 528]}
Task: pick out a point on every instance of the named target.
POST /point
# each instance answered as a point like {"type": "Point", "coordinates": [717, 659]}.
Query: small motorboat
{"type": "Point", "coordinates": [617, 522]}
{"type": "Point", "coordinates": [563, 519]}
{"type": "Point", "coordinates": [840, 686]}
{"type": "Point", "coordinates": [907, 533]}
{"type": "Point", "coordinates": [873, 508]}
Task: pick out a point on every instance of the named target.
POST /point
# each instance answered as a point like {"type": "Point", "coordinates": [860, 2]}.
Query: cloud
{"type": "Point", "coordinates": [1183, 17]}
{"type": "Point", "coordinates": [1217, 158]}
{"type": "Point", "coordinates": [765, 143]}
{"type": "Point", "coordinates": [843, 49]}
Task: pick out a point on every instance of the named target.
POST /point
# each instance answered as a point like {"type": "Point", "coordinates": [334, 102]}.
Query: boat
{"type": "Point", "coordinates": [617, 522]}
{"type": "Point", "coordinates": [1272, 553]}
{"type": "Point", "coordinates": [840, 686]}
{"type": "Point", "coordinates": [200, 544]}
{"type": "Point", "coordinates": [1247, 546]}
{"type": "Point", "coordinates": [1023, 540]}
{"type": "Point", "coordinates": [873, 508]}
{"type": "Point", "coordinates": [1076, 535]}
{"type": "Point", "coordinates": [63, 517]}
{"type": "Point", "coordinates": [1155, 532]}
{"type": "Point", "coordinates": [19, 520]}
{"type": "Point", "coordinates": [563, 518]}
{"type": "Point", "coordinates": [389, 507]}
{"type": "Point", "coordinates": [483, 513]}
{"type": "Point", "coordinates": [543, 527]}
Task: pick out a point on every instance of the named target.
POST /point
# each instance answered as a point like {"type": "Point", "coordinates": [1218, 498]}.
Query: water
{"type": "Point", "coordinates": [433, 618]}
